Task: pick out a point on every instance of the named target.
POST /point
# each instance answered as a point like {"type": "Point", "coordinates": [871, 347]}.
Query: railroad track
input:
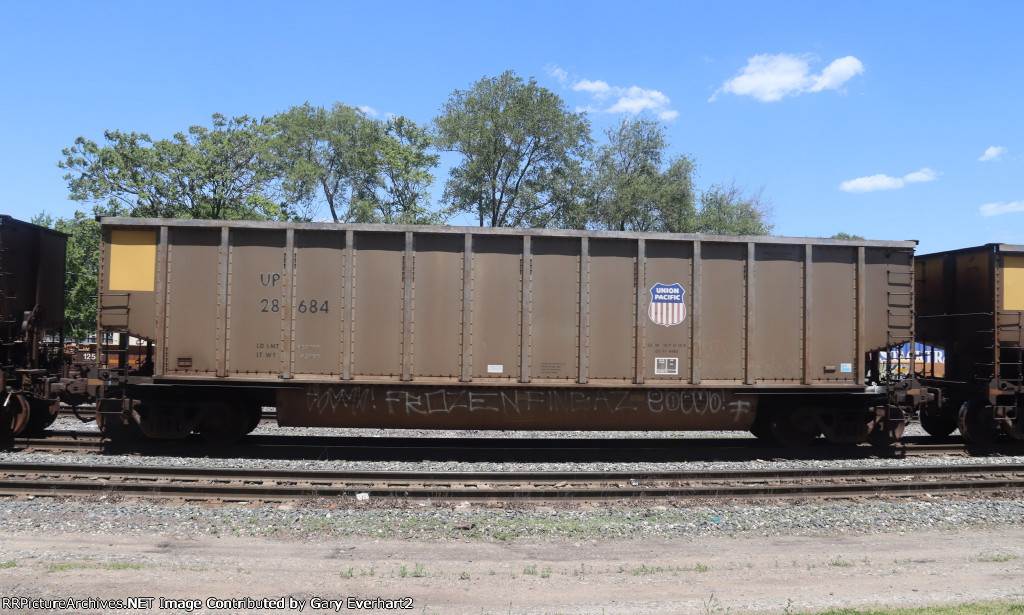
{"type": "Point", "coordinates": [274, 485]}
{"type": "Point", "coordinates": [485, 449]}
{"type": "Point", "coordinates": [87, 413]}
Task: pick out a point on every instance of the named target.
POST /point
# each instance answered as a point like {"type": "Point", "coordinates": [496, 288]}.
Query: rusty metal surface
{"type": "Point", "coordinates": [503, 231]}
{"type": "Point", "coordinates": [961, 309]}
{"type": "Point", "coordinates": [275, 302]}
{"type": "Point", "coordinates": [31, 273]}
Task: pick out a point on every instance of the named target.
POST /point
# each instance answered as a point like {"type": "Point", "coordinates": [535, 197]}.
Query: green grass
{"type": "Point", "coordinates": [92, 565]}
{"type": "Point", "coordinates": [839, 562]}
{"type": "Point", "coordinates": [122, 566]}
{"type": "Point", "coordinates": [997, 557]}
{"type": "Point", "coordinates": [8, 564]}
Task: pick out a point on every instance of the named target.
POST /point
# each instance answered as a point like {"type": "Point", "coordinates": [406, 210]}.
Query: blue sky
{"type": "Point", "coordinates": [891, 120]}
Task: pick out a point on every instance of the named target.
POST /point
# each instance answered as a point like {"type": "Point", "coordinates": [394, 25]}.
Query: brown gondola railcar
{"type": "Point", "coordinates": [31, 309]}
{"type": "Point", "coordinates": [482, 328]}
{"type": "Point", "coordinates": [970, 304]}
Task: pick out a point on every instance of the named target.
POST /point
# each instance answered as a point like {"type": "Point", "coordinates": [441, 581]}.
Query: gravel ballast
{"type": "Point", "coordinates": [647, 556]}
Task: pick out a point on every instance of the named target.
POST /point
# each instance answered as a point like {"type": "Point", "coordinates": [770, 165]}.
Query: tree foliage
{"type": "Point", "coordinates": [206, 173]}
{"type": "Point", "coordinates": [630, 188]}
{"type": "Point", "coordinates": [635, 189]}
{"type": "Point", "coordinates": [726, 210]}
{"type": "Point", "coordinates": [324, 156]}
{"type": "Point", "coordinates": [525, 160]}
{"type": "Point", "coordinates": [364, 170]}
{"type": "Point", "coordinates": [522, 152]}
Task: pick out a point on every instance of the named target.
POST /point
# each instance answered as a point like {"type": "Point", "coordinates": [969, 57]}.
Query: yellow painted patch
{"type": "Point", "coordinates": [132, 260]}
{"type": "Point", "coordinates": [1013, 282]}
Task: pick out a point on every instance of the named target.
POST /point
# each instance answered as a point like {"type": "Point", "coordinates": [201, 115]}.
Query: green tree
{"type": "Point", "coordinates": [210, 173]}
{"type": "Point", "coordinates": [522, 152]}
{"type": "Point", "coordinates": [399, 192]}
{"type": "Point", "coordinates": [630, 188]}
{"type": "Point", "coordinates": [326, 156]}
{"type": "Point", "coordinates": [728, 211]}
{"type": "Point", "coordinates": [82, 271]}
{"type": "Point", "coordinates": [845, 236]}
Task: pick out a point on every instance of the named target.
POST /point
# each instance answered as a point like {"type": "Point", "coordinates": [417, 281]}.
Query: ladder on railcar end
{"type": "Point", "coordinates": [112, 312]}
{"type": "Point", "coordinates": [7, 317]}
{"type": "Point", "coordinates": [904, 392]}
{"type": "Point", "coordinates": [1009, 340]}
{"type": "Point", "coordinates": [899, 326]}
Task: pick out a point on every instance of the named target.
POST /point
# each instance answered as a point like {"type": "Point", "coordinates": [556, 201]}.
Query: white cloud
{"type": "Point", "coordinates": [993, 154]}
{"type": "Point", "coordinates": [617, 99]}
{"type": "Point", "coordinates": [885, 182]}
{"type": "Point", "coordinates": [995, 209]}
{"type": "Point", "coordinates": [924, 175]}
{"type": "Point", "coordinates": [837, 73]}
{"type": "Point", "coordinates": [770, 78]}
{"type": "Point", "coordinates": [558, 73]}
{"type": "Point", "coordinates": [871, 183]}
{"type": "Point", "coordinates": [367, 110]}
{"type": "Point", "coordinates": [597, 88]}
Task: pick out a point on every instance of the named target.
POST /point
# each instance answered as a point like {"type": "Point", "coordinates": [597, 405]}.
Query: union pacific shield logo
{"type": "Point", "coordinates": [667, 305]}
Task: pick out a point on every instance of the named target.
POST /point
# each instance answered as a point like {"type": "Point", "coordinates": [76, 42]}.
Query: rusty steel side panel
{"type": "Point", "coordinates": [191, 340]}
{"type": "Point", "coordinates": [723, 312]}
{"type": "Point", "coordinates": [258, 301]}
{"type": "Point", "coordinates": [833, 315]}
{"type": "Point", "coordinates": [455, 407]}
{"type": "Point", "coordinates": [667, 355]}
{"type": "Point", "coordinates": [277, 302]}
{"type": "Point", "coordinates": [778, 339]}
{"type": "Point", "coordinates": [929, 292]}
{"type": "Point", "coordinates": [610, 350]}
{"type": "Point", "coordinates": [975, 290]}
{"type": "Point", "coordinates": [554, 309]}
{"type": "Point", "coordinates": [970, 304]}
{"type": "Point", "coordinates": [437, 307]}
{"type": "Point", "coordinates": [496, 312]}
{"type": "Point", "coordinates": [32, 260]}
{"type": "Point", "coordinates": [378, 305]}
{"type": "Point", "coordinates": [954, 304]}
{"type": "Point", "coordinates": [317, 297]}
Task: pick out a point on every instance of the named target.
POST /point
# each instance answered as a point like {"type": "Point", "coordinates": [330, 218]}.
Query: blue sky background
{"type": "Point", "coordinates": [891, 120]}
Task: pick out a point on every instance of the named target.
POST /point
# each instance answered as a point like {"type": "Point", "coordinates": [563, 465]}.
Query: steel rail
{"type": "Point", "coordinates": [315, 447]}
{"type": "Point", "coordinates": [243, 484]}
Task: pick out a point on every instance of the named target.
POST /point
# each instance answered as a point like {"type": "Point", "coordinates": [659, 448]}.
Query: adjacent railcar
{"type": "Point", "coordinates": [970, 305]}
{"type": "Point", "coordinates": [479, 328]}
{"type": "Point", "coordinates": [32, 260]}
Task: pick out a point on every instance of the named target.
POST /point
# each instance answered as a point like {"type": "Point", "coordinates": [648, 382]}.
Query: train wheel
{"type": "Point", "coordinates": [225, 424]}
{"type": "Point", "coordinates": [794, 426]}
{"type": "Point", "coordinates": [43, 414]}
{"type": "Point", "coordinates": [938, 426]}
{"type": "Point", "coordinates": [977, 423]}
{"type": "Point", "coordinates": [888, 431]}
{"type": "Point", "coordinates": [113, 425]}
{"type": "Point", "coordinates": [762, 427]}
{"type": "Point", "coordinates": [255, 415]}
{"type": "Point", "coordinates": [14, 415]}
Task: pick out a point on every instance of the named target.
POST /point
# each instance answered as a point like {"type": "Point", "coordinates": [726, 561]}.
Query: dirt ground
{"type": "Point", "coordinates": [720, 575]}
